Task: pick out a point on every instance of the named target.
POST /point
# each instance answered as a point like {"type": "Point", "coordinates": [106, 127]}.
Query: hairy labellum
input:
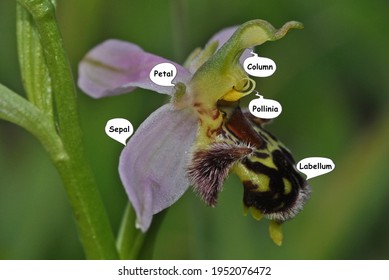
{"type": "Point", "coordinates": [272, 185]}
{"type": "Point", "coordinates": [210, 167]}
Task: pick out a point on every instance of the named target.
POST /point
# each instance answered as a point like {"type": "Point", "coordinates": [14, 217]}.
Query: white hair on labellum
{"type": "Point", "coordinates": [291, 212]}
{"type": "Point", "coordinates": [209, 168]}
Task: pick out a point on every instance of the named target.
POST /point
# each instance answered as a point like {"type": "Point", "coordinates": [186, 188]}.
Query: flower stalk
{"type": "Point", "coordinates": [132, 243]}
{"type": "Point", "coordinates": [92, 220]}
{"type": "Point", "coordinates": [129, 239]}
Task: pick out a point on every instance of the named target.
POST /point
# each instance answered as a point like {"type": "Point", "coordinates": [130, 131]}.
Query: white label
{"type": "Point", "coordinates": [119, 129]}
{"type": "Point", "coordinates": [259, 66]}
{"type": "Point", "coordinates": [163, 74]}
{"type": "Point", "coordinates": [265, 108]}
{"type": "Point", "coordinates": [315, 166]}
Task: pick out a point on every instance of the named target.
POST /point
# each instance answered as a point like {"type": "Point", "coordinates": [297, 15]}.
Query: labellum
{"type": "Point", "coordinates": [273, 188]}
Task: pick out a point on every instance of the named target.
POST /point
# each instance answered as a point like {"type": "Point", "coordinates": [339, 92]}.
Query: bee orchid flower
{"type": "Point", "coordinates": [202, 134]}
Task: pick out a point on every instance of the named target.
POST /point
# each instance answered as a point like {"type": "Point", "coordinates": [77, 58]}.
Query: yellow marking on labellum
{"type": "Point", "coordinates": [260, 180]}
{"type": "Point", "coordinates": [245, 210]}
{"type": "Point", "coordinates": [263, 180]}
{"type": "Point", "coordinates": [287, 186]}
{"type": "Point", "coordinates": [257, 214]}
{"type": "Point", "coordinates": [275, 231]}
{"type": "Point", "coordinates": [265, 161]}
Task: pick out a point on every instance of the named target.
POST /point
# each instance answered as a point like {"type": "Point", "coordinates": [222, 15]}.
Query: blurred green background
{"type": "Point", "coordinates": [332, 81]}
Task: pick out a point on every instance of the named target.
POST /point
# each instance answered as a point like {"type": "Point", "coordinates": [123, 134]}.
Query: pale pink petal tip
{"type": "Point", "coordinates": [116, 67]}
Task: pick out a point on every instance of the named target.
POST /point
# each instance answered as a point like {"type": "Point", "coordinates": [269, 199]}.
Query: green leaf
{"type": "Point", "coordinates": [16, 109]}
{"type": "Point", "coordinates": [35, 75]}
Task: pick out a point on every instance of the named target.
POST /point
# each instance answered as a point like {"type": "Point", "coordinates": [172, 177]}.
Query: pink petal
{"type": "Point", "coordinates": [116, 67]}
{"type": "Point", "coordinates": [153, 164]}
{"type": "Point", "coordinates": [222, 37]}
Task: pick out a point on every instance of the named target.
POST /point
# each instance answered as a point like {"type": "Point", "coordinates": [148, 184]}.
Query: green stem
{"type": "Point", "coordinates": [92, 220]}
{"type": "Point", "coordinates": [129, 237]}
{"type": "Point", "coordinates": [146, 251]}
{"type": "Point", "coordinates": [132, 243]}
